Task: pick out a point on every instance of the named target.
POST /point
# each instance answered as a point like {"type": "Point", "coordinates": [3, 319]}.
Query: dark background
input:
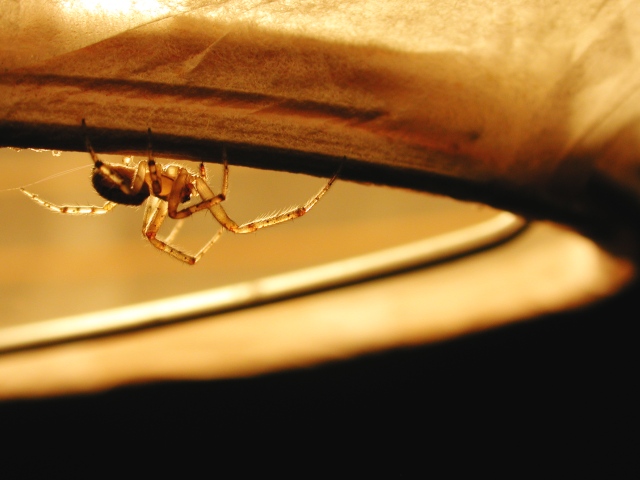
{"type": "Point", "coordinates": [562, 386]}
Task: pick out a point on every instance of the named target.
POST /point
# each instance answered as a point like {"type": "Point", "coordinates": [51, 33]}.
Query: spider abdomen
{"type": "Point", "coordinates": [107, 188]}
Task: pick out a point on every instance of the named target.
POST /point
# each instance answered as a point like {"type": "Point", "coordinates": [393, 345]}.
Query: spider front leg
{"type": "Point", "coordinates": [111, 173]}
{"type": "Point", "coordinates": [156, 212]}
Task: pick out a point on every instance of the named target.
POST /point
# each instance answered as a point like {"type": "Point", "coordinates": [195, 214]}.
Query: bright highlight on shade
{"type": "Point", "coordinates": [117, 8]}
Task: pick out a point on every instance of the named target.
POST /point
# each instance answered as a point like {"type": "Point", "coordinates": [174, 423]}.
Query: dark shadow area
{"type": "Point", "coordinates": [559, 384]}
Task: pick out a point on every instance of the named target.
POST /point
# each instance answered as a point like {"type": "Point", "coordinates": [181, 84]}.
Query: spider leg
{"type": "Point", "coordinates": [87, 143]}
{"type": "Point", "coordinates": [71, 209]}
{"type": "Point", "coordinates": [221, 215]}
{"type": "Point", "coordinates": [107, 171]}
{"type": "Point", "coordinates": [204, 191]}
{"type": "Point", "coordinates": [139, 178]}
{"type": "Point", "coordinates": [155, 213]}
{"type": "Point", "coordinates": [174, 231]}
{"type": "Point", "coordinates": [154, 174]}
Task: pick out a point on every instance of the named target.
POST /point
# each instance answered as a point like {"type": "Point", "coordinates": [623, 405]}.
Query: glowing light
{"type": "Point", "coordinates": [89, 21]}
{"type": "Point", "coordinates": [117, 7]}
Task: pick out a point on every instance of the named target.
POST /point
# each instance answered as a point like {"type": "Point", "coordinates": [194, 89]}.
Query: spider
{"type": "Point", "coordinates": [166, 188]}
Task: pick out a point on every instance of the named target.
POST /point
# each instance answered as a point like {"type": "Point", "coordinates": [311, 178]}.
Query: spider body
{"type": "Point", "coordinates": [108, 180]}
{"type": "Point", "coordinates": [108, 188]}
{"type": "Point", "coordinates": [166, 191]}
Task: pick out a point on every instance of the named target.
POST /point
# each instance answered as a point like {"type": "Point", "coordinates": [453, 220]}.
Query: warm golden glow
{"type": "Point", "coordinates": [116, 7]}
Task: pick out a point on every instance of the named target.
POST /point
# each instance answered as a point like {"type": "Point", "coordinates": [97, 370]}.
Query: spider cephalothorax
{"type": "Point", "coordinates": [166, 189]}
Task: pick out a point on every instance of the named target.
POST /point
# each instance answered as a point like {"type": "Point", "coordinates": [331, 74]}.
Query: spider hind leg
{"type": "Point", "coordinates": [71, 209]}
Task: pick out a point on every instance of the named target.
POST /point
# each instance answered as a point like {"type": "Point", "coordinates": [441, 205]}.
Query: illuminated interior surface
{"type": "Point", "coordinates": [80, 264]}
{"type": "Point", "coordinates": [512, 98]}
